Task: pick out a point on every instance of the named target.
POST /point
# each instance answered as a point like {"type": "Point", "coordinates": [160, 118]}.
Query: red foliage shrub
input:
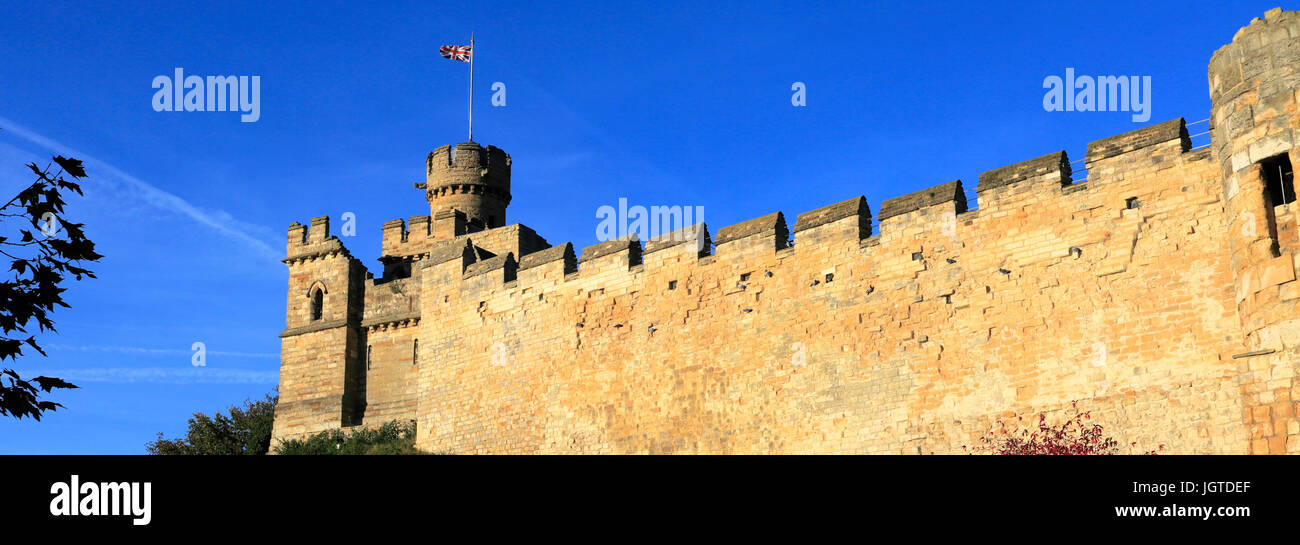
{"type": "Point", "coordinates": [1078, 435]}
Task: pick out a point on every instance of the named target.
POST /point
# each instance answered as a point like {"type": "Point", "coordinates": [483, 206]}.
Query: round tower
{"type": "Point", "coordinates": [1253, 83]}
{"type": "Point", "coordinates": [471, 179]}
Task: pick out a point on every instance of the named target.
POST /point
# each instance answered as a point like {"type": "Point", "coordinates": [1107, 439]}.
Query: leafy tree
{"type": "Point", "coordinates": [247, 430]}
{"type": "Point", "coordinates": [1074, 436]}
{"type": "Point", "coordinates": [39, 263]}
{"type": "Point", "coordinates": [391, 438]}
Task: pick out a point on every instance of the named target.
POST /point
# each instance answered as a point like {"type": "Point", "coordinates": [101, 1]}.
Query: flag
{"type": "Point", "coordinates": [456, 52]}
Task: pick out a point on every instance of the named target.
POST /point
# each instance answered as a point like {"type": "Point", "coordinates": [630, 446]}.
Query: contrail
{"type": "Point", "coordinates": [140, 350]}
{"type": "Point", "coordinates": [164, 375]}
{"type": "Point", "coordinates": [220, 221]}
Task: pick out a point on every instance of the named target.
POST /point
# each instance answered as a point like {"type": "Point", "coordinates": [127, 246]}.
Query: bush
{"type": "Point", "coordinates": [1072, 437]}
{"type": "Point", "coordinates": [390, 438]}
{"type": "Point", "coordinates": [246, 431]}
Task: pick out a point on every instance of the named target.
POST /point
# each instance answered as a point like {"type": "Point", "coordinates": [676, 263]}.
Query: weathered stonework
{"type": "Point", "coordinates": [1160, 293]}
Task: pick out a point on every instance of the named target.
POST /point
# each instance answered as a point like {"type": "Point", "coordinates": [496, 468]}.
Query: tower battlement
{"type": "Point", "coordinates": [472, 179]}
{"type": "Point", "coordinates": [1159, 291]}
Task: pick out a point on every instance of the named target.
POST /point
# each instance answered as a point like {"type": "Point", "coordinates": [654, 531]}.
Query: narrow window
{"type": "Point", "coordinates": [1279, 190]}
{"type": "Point", "coordinates": [415, 352]}
{"type": "Point", "coordinates": [317, 303]}
{"type": "Point", "coordinates": [369, 350]}
{"type": "Point", "coordinates": [1277, 175]}
{"type": "Point", "coordinates": [672, 284]}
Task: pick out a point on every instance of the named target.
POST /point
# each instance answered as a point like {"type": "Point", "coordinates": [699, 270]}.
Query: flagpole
{"type": "Point", "coordinates": [471, 86]}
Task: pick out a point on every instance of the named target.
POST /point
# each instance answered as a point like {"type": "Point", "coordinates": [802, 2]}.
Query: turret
{"type": "Point", "coordinates": [1253, 83]}
{"type": "Point", "coordinates": [471, 179]}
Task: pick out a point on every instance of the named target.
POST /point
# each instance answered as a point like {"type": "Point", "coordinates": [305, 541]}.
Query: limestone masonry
{"type": "Point", "coordinates": [1160, 293]}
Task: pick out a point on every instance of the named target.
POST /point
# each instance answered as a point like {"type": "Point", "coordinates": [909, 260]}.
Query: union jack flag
{"type": "Point", "coordinates": [456, 52]}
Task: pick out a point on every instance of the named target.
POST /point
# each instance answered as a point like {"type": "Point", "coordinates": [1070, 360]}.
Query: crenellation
{"type": "Point", "coordinates": [502, 263]}
{"type": "Point", "coordinates": [419, 231]}
{"type": "Point", "coordinates": [1021, 184]}
{"type": "Point", "coordinates": [759, 236]}
{"type": "Point", "coordinates": [692, 238]}
{"type": "Point", "coordinates": [393, 237]}
{"type": "Point", "coordinates": [1160, 293]}
{"type": "Point", "coordinates": [451, 251]}
{"type": "Point", "coordinates": [307, 244]}
{"type": "Point", "coordinates": [562, 253]}
{"type": "Point", "coordinates": [613, 255]}
{"type": "Point", "coordinates": [448, 224]}
{"type": "Point", "coordinates": [297, 235]}
{"type": "Point", "coordinates": [848, 220]}
{"type": "Point", "coordinates": [319, 230]}
{"type": "Point", "coordinates": [1160, 133]}
{"type": "Point", "coordinates": [489, 276]}
{"type": "Point", "coordinates": [542, 270]}
{"type": "Point", "coordinates": [517, 239]}
{"type": "Point", "coordinates": [941, 194]}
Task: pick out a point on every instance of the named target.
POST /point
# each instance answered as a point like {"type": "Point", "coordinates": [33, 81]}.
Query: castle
{"type": "Point", "coordinates": [1160, 293]}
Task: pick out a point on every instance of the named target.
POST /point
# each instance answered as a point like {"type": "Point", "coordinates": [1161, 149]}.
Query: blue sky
{"type": "Point", "coordinates": [662, 104]}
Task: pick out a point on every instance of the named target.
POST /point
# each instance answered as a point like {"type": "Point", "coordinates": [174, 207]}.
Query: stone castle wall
{"type": "Point", "coordinates": [1137, 292]}
{"type": "Point", "coordinates": [912, 340]}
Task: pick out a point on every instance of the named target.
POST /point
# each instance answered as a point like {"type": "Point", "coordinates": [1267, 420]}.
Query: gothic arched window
{"type": "Point", "coordinates": [317, 303]}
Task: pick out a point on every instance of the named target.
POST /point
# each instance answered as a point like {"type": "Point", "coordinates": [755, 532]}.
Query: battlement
{"type": "Point", "coordinates": [402, 247]}
{"type": "Point", "coordinates": [314, 242]}
{"type": "Point", "coordinates": [846, 225]}
{"type": "Point", "coordinates": [694, 237]}
{"type": "Point", "coordinates": [1013, 185]}
{"type": "Point", "coordinates": [468, 168]}
{"type": "Point", "coordinates": [1122, 159]}
{"type": "Point", "coordinates": [397, 242]}
{"type": "Point", "coordinates": [1174, 129]}
{"type": "Point", "coordinates": [619, 254]}
{"type": "Point", "coordinates": [1053, 167]}
{"type": "Point", "coordinates": [470, 156]}
{"type": "Point", "coordinates": [942, 194]}
{"type": "Point", "coordinates": [470, 179]}
{"type": "Point", "coordinates": [451, 251]}
{"type": "Point", "coordinates": [767, 232]}
{"type": "Point", "coordinates": [855, 207]}
{"type": "Point", "coordinates": [561, 254]}
{"type": "Point", "coordinates": [505, 263]}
